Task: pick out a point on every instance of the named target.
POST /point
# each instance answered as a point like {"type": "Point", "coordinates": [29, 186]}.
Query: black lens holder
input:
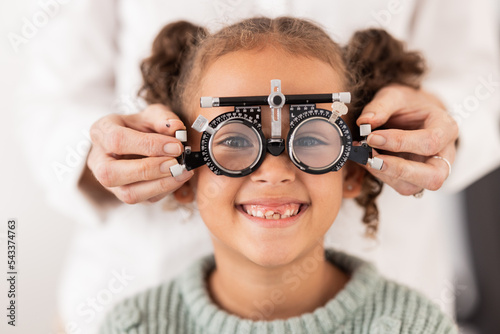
{"type": "Point", "coordinates": [307, 112]}
{"type": "Point", "coordinates": [248, 116]}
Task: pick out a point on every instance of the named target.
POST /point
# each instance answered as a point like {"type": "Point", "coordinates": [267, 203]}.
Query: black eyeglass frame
{"type": "Point", "coordinates": [248, 112]}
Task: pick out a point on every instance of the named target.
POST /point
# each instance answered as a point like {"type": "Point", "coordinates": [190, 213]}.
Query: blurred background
{"type": "Point", "coordinates": [44, 234]}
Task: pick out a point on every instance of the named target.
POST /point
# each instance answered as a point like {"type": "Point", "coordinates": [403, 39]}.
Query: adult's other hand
{"type": "Point", "coordinates": [131, 154]}
{"type": "Point", "coordinates": [410, 127]}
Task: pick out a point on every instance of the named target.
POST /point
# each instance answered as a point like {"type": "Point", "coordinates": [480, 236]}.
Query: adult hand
{"type": "Point", "coordinates": [413, 126]}
{"type": "Point", "coordinates": [131, 154]}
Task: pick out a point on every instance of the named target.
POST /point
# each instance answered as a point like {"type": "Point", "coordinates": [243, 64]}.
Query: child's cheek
{"type": "Point", "coordinates": [327, 187]}
{"type": "Point", "coordinates": [212, 190]}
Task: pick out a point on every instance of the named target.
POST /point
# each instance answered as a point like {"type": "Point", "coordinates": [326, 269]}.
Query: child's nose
{"type": "Point", "coordinates": [275, 170]}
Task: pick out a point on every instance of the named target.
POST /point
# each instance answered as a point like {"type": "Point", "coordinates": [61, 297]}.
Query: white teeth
{"type": "Point", "coordinates": [272, 215]}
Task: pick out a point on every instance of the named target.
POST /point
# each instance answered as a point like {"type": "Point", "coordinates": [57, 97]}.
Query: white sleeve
{"type": "Point", "coordinates": [68, 84]}
{"type": "Point", "coordinates": [460, 40]}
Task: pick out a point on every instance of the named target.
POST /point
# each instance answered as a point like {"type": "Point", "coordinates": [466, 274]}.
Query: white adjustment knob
{"type": "Point", "coordinates": [201, 124]}
{"type": "Point", "coordinates": [376, 163]}
{"type": "Point", "coordinates": [181, 135]}
{"type": "Point", "coordinates": [365, 130]}
{"type": "Point", "coordinates": [345, 97]}
{"type": "Point", "coordinates": [177, 170]}
{"type": "Point", "coordinates": [206, 102]}
{"type": "Point", "coordinates": [340, 108]}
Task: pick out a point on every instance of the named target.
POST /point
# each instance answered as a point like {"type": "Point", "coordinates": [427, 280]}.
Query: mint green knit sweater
{"type": "Point", "coordinates": [368, 304]}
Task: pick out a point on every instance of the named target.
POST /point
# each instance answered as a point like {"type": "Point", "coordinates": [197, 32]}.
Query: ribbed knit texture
{"type": "Point", "coordinates": [367, 304]}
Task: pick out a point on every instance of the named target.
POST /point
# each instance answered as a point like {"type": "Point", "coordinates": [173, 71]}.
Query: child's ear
{"type": "Point", "coordinates": [185, 194]}
{"type": "Point", "coordinates": [353, 179]}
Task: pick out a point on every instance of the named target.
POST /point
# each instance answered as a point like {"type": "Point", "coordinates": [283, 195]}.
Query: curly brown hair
{"type": "Point", "coordinates": [370, 61]}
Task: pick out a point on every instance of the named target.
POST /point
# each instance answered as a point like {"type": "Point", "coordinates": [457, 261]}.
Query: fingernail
{"type": "Point", "coordinates": [186, 175]}
{"type": "Point", "coordinates": [165, 166]}
{"type": "Point", "coordinates": [367, 115]}
{"type": "Point", "coordinates": [376, 140]}
{"type": "Point", "coordinates": [172, 149]}
{"type": "Point", "coordinates": [172, 122]}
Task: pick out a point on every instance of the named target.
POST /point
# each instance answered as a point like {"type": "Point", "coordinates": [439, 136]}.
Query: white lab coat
{"type": "Point", "coordinates": [85, 64]}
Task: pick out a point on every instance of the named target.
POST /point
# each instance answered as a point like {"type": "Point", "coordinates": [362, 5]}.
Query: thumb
{"type": "Point", "coordinates": [155, 118]}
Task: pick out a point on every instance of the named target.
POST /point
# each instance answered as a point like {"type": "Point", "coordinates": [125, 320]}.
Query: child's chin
{"type": "Point", "coordinates": [274, 257]}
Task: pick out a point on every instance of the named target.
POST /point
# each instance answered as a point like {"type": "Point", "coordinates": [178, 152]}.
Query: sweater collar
{"type": "Point", "coordinates": [363, 282]}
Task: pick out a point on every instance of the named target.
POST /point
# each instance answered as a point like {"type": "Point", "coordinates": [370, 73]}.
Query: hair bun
{"type": "Point", "coordinates": [161, 71]}
{"type": "Point", "coordinates": [376, 60]}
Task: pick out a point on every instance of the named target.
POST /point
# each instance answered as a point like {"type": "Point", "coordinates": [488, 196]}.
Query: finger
{"type": "Point", "coordinates": [422, 142]}
{"type": "Point", "coordinates": [385, 103]}
{"type": "Point", "coordinates": [439, 132]}
{"type": "Point", "coordinates": [447, 154]}
{"type": "Point", "coordinates": [408, 177]}
{"type": "Point", "coordinates": [145, 190]}
{"type": "Point", "coordinates": [122, 140]}
{"type": "Point", "coordinates": [403, 188]}
{"type": "Point", "coordinates": [155, 118]}
{"type": "Point", "coordinates": [114, 173]}
{"type": "Point", "coordinates": [157, 198]}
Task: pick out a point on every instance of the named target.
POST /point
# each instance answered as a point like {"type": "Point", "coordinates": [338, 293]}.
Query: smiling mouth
{"type": "Point", "coordinates": [273, 212]}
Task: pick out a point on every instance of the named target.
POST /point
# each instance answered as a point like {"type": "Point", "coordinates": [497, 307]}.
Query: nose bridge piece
{"type": "Point", "coordinates": [275, 146]}
{"type": "Point", "coordinates": [276, 101]}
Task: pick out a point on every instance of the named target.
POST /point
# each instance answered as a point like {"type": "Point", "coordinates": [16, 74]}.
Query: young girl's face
{"type": "Point", "coordinates": [313, 201]}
